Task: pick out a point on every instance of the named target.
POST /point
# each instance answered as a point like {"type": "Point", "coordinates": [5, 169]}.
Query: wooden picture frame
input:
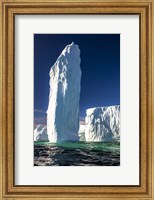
{"type": "Point", "coordinates": [10, 8]}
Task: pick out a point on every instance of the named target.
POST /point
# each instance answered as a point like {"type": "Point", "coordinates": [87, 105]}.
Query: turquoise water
{"type": "Point", "coordinates": [77, 154]}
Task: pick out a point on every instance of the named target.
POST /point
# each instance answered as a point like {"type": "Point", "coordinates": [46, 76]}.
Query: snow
{"type": "Point", "coordinates": [102, 124]}
{"type": "Point", "coordinates": [40, 133]}
{"type": "Point", "coordinates": [64, 94]}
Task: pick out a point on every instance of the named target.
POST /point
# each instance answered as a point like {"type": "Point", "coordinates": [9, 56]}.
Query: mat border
{"type": "Point", "coordinates": [10, 8]}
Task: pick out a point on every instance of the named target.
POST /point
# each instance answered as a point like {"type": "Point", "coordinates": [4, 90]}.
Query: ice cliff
{"type": "Point", "coordinates": [102, 124]}
{"type": "Point", "coordinates": [64, 94]}
{"type": "Point", "coordinates": [40, 133]}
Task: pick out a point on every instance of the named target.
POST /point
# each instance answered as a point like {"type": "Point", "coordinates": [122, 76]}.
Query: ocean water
{"type": "Point", "coordinates": [77, 154]}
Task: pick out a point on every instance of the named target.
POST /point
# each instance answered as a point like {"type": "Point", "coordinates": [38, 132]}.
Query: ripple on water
{"type": "Point", "coordinates": [76, 154]}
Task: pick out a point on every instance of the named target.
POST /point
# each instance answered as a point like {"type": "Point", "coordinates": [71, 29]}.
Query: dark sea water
{"type": "Point", "coordinates": [77, 154]}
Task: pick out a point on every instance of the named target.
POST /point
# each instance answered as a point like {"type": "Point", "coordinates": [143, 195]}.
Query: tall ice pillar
{"type": "Point", "coordinates": [63, 107]}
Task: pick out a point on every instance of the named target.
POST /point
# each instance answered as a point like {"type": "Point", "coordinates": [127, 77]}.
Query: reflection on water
{"type": "Point", "coordinates": [76, 154]}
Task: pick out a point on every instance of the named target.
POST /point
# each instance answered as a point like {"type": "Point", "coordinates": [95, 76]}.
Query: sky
{"type": "Point", "coordinates": [100, 66]}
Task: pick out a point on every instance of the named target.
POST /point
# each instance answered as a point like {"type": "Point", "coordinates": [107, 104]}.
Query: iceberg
{"type": "Point", "coordinates": [40, 133]}
{"type": "Point", "coordinates": [102, 124]}
{"type": "Point", "coordinates": [64, 95]}
{"type": "Point", "coordinates": [82, 132]}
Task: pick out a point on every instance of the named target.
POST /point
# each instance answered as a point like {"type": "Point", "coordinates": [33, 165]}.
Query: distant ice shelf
{"type": "Point", "coordinates": [102, 124]}
{"type": "Point", "coordinates": [40, 133]}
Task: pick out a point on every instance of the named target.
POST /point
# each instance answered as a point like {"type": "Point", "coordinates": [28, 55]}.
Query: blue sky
{"type": "Point", "coordinates": [100, 65]}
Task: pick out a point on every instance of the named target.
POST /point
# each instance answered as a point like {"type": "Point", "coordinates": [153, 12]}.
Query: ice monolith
{"type": "Point", "coordinates": [64, 95]}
